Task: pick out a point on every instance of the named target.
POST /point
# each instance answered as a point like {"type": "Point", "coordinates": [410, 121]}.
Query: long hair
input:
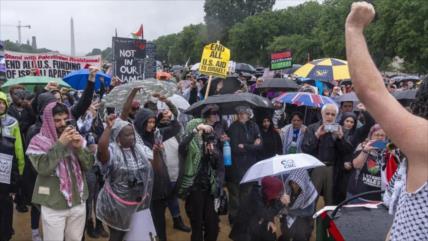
{"type": "Point", "coordinates": [420, 105]}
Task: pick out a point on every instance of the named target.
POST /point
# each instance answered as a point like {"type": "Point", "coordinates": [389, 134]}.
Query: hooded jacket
{"type": "Point", "coordinates": [10, 128]}
{"type": "Point", "coordinates": [161, 180]}
{"type": "Point", "coordinates": [42, 101]}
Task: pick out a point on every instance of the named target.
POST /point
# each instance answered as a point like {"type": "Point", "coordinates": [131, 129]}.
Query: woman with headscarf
{"type": "Point", "coordinates": [366, 175]}
{"type": "Point", "coordinates": [272, 144]}
{"type": "Point", "coordinates": [292, 134]}
{"type": "Point", "coordinates": [128, 177]}
{"type": "Point", "coordinates": [255, 218]}
{"type": "Point", "coordinates": [342, 169]}
{"type": "Point", "coordinates": [153, 138]}
{"type": "Point", "coordinates": [301, 196]}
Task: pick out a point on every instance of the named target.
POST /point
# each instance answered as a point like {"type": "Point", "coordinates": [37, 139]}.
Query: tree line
{"type": "Point", "coordinates": [252, 30]}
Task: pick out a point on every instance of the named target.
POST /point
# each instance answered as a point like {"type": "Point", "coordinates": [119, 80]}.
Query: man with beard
{"type": "Point", "coordinates": [60, 159]}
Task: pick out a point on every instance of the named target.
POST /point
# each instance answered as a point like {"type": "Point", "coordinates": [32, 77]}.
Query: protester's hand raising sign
{"type": "Point", "coordinates": [361, 15]}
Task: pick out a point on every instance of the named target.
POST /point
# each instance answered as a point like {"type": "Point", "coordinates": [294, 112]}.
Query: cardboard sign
{"type": "Point", "coordinates": [281, 60]}
{"type": "Point", "coordinates": [53, 65]}
{"type": "Point", "coordinates": [215, 60]}
{"type": "Point", "coordinates": [128, 58]}
{"type": "Point", "coordinates": [5, 168]}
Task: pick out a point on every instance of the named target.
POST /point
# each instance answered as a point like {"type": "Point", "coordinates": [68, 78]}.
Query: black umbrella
{"type": "Point", "coordinates": [243, 67]}
{"type": "Point", "coordinates": [405, 94]}
{"type": "Point", "coordinates": [292, 69]}
{"type": "Point", "coordinates": [348, 97]}
{"type": "Point", "coordinates": [230, 85]}
{"type": "Point", "coordinates": [401, 78]}
{"type": "Point", "coordinates": [229, 102]}
{"type": "Point", "coordinates": [279, 83]}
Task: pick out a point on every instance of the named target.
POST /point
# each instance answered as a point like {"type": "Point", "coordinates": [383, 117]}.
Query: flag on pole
{"type": "Point", "coordinates": [139, 33]}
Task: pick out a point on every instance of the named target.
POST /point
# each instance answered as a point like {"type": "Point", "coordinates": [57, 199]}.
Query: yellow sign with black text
{"type": "Point", "coordinates": [215, 60]}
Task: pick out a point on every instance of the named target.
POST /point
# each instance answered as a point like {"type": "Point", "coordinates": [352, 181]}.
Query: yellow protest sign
{"type": "Point", "coordinates": [215, 60]}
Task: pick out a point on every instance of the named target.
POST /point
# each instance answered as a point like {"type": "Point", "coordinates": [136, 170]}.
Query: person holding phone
{"type": "Point", "coordinates": [60, 159]}
{"type": "Point", "coordinates": [366, 175]}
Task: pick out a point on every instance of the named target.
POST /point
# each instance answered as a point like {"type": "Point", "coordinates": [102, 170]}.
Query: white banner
{"type": "Point", "coordinates": [49, 64]}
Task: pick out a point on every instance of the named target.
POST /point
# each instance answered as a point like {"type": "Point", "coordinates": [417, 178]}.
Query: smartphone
{"type": "Point", "coordinates": [379, 144]}
{"type": "Point", "coordinates": [71, 123]}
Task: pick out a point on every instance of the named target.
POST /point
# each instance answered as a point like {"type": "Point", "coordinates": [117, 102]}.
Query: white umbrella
{"type": "Point", "coordinates": [179, 101]}
{"type": "Point", "coordinates": [195, 67]}
{"type": "Point", "coordinates": [280, 164]}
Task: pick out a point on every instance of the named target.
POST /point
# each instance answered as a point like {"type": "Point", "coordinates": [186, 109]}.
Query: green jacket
{"type": "Point", "coordinates": [10, 128]}
{"type": "Point", "coordinates": [46, 190]}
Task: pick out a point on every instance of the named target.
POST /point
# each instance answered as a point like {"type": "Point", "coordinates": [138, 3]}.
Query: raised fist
{"type": "Point", "coordinates": [362, 13]}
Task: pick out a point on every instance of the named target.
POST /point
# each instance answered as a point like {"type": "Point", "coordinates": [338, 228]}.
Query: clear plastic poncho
{"type": "Point", "coordinates": [128, 183]}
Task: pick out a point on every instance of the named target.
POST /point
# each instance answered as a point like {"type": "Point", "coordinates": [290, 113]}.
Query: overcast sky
{"type": "Point", "coordinates": [95, 21]}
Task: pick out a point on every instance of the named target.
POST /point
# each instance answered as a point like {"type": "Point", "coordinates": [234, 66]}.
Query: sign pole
{"type": "Point", "coordinates": [208, 87]}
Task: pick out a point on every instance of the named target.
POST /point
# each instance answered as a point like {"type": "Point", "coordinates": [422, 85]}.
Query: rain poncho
{"type": "Point", "coordinates": [128, 183]}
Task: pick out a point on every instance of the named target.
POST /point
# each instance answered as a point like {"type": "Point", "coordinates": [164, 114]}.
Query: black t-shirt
{"type": "Point", "coordinates": [368, 178]}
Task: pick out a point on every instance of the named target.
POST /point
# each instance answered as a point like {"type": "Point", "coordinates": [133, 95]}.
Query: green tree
{"type": "Point", "coordinates": [400, 29]}
{"type": "Point", "coordinates": [250, 39]}
{"type": "Point", "coordinates": [24, 48]}
{"type": "Point", "coordinates": [164, 45]}
{"type": "Point", "coordinates": [221, 15]}
{"type": "Point", "coordinates": [94, 51]}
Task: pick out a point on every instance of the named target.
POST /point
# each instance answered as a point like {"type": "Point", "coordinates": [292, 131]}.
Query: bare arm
{"type": "Point", "coordinates": [128, 104]}
{"type": "Point", "coordinates": [400, 126]}
{"type": "Point", "coordinates": [103, 153]}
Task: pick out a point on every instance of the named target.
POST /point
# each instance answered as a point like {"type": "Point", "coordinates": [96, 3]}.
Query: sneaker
{"type": "Point", "coordinates": [21, 208]}
{"type": "Point", "coordinates": [35, 235]}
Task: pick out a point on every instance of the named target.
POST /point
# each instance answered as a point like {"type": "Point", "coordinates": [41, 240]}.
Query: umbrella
{"type": "Point", "coordinates": [348, 97]}
{"type": "Point", "coordinates": [405, 94]}
{"type": "Point", "coordinates": [280, 164]}
{"type": "Point", "coordinates": [279, 83]}
{"type": "Point", "coordinates": [293, 68]}
{"type": "Point", "coordinates": [195, 67]}
{"type": "Point", "coordinates": [401, 78]}
{"type": "Point", "coordinates": [305, 99]}
{"type": "Point", "coordinates": [243, 67]}
{"type": "Point", "coordinates": [329, 84]}
{"type": "Point", "coordinates": [179, 101]}
{"type": "Point", "coordinates": [230, 85]}
{"type": "Point", "coordinates": [327, 69]}
{"type": "Point", "coordinates": [77, 79]}
{"type": "Point", "coordinates": [117, 97]}
{"type": "Point", "coordinates": [31, 81]}
{"type": "Point", "coordinates": [228, 103]}
{"type": "Point", "coordinates": [163, 75]}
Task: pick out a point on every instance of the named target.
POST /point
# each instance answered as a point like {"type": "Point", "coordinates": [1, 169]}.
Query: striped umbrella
{"type": "Point", "coordinates": [305, 99]}
{"type": "Point", "coordinates": [328, 69]}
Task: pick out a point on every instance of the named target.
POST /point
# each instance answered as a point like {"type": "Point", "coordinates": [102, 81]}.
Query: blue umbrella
{"type": "Point", "coordinates": [305, 99]}
{"type": "Point", "coordinates": [78, 79]}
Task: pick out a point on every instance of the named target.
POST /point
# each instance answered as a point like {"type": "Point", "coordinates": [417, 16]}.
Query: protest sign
{"type": "Point", "coordinates": [128, 58]}
{"type": "Point", "coordinates": [281, 60]}
{"type": "Point", "coordinates": [5, 168]}
{"type": "Point", "coordinates": [51, 64]}
{"type": "Point", "coordinates": [150, 61]}
{"type": "Point", "coordinates": [215, 60]}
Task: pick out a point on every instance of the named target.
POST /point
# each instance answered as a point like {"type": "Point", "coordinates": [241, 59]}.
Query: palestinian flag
{"type": "Point", "coordinates": [139, 34]}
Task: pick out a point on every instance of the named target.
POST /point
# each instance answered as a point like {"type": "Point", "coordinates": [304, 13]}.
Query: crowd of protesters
{"type": "Point", "coordinates": [81, 170]}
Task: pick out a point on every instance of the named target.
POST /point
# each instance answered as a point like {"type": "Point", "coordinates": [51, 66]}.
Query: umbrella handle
{"type": "Point", "coordinates": [333, 214]}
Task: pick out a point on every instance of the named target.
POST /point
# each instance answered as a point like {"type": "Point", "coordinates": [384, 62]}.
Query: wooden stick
{"type": "Point", "coordinates": [208, 87]}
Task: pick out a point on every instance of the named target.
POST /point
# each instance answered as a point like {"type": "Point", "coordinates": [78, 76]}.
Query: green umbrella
{"type": "Point", "coordinates": [31, 81]}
